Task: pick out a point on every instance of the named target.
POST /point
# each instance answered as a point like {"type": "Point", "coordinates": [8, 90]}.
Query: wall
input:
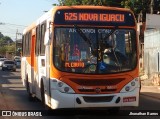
{"type": "Point", "coordinates": [152, 21]}
{"type": "Point", "coordinates": [152, 53]}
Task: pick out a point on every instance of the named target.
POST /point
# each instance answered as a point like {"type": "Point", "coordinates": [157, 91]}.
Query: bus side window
{"type": "Point", "coordinates": [29, 43]}
{"type": "Point", "coordinates": [42, 46]}
{"type": "Point", "coordinates": [37, 41]}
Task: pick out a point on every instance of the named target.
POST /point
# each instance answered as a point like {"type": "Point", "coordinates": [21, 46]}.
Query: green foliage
{"type": "Point", "coordinates": [137, 6]}
{"type": "Point", "coordinates": [1, 35]}
{"type": "Point", "coordinates": [5, 40]}
{"type": "Point", "coordinates": [10, 48]}
{"type": "Point", "coordinates": [90, 2]}
{"type": "Point", "coordinates": [141, 5]}
{"type": "Point", "coordinates": [6, 44]}
{"type": "Point", "coordinates": [7, 48]}
{"type": "Point", "coordinates": [3, 50]}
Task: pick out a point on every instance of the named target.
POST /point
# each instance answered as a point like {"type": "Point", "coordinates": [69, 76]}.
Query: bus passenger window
{"type": "Point", "coordinates": [42, 46]}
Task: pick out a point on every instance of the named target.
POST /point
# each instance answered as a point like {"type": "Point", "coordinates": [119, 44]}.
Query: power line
{"type": "Point", "coordinates": [3, 23]}
{"type": "Point", "coordinates": [9, 29]}
{"type": "Point", "coordinates": [6, 32]}
{"type": "Point", "coordinates": [16, 25]}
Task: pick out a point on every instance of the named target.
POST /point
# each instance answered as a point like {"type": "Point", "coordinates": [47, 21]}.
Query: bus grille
{"type": "Point", "coordinates": [97, 82]}
{"type": "Point", "coordinates": [97, 99]}
{"type": "Point", "coordinates": [93, 90]}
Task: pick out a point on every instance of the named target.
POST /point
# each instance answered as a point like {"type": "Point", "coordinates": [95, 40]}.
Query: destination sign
{"type": "Point", "coordinates": [94, 17]}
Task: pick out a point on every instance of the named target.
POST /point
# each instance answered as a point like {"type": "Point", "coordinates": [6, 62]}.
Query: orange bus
{"type": "Point", "coordinates": [82, 56]}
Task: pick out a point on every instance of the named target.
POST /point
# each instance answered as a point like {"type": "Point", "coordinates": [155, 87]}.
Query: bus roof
{"type": "Point", "coordinates": [55, 8]}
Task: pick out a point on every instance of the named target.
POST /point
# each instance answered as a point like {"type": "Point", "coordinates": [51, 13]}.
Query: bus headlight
{"type": "Point", "coordinates": [135, 83]}
{"type": "Point", "coordinates": [60, 84]}
{"type": "Point", "coordinates": [64, 88]}
{"type": "Point", "coordinates": [127, 88]}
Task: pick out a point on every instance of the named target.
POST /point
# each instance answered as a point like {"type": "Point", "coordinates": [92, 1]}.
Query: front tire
{"type": "Point", "coordinates": [30, 98]}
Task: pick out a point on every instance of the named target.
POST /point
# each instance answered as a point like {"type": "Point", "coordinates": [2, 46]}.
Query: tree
{"type": "Point", "coordinates": [10, 48]}
{"type": "Point", "coordinates": [5, 40]}
{"type": "Point", "coordinates": [3, 50]}
{"type": "Point", "coordinates": [157, 6]}
{"type": "Point", "coordinates": [90, 2]}
{"type": "Point", "coordinates": [1, 35]}
{"type": "Point", "coordinates": [142, 7]}
{"type": "Point", "coordinates": [6, 44]}
{"type": "Point", "coordinates": [7, 48]}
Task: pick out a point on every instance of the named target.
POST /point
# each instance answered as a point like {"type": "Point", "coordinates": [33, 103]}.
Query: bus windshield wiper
{"type": "Point", "coordinates": [87, 40]}
{"type": "Point", "coordinates": [111, 32]}
{"type": "Point", "coordinates": [82, 35]}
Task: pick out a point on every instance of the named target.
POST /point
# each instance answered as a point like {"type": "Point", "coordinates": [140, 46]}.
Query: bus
{"type": "Point", "coordinates": [82, 57]}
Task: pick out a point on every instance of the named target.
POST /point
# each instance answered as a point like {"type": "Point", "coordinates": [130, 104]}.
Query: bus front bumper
{"type": "Point", "coordinates": [64, 100]}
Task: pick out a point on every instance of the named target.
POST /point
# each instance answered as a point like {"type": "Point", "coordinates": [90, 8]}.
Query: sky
{"type": "Point", "coordinates": [15, 15]}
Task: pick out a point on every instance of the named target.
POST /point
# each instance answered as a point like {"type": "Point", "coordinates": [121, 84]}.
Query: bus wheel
{"type": "Point", "coordinates": [43, 97]}
{"type": "Point", "coordinates": [30, 98]}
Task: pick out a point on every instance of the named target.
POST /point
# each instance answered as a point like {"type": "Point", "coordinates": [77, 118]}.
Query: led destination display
{"type": "Point", "coordinates": [94, 17]}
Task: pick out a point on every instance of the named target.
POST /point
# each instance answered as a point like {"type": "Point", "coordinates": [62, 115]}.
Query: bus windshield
{"type": "Point", "coordinates": [94, 50]}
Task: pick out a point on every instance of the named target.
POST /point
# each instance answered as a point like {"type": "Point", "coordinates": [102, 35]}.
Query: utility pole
{"type": "Point", "coordinates": [16, 43]}
{"type": "Point", "coordinates": [17, 33]}
{"type": "Point", "coordinates": [151, 6]}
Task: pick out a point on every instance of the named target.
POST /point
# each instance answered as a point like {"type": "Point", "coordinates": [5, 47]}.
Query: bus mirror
{"type": "Point", "coordinates": [47, 38]}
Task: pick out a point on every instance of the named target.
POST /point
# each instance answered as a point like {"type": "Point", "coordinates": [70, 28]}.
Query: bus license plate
{"type": "Point", "coordinates": [129, 99]}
